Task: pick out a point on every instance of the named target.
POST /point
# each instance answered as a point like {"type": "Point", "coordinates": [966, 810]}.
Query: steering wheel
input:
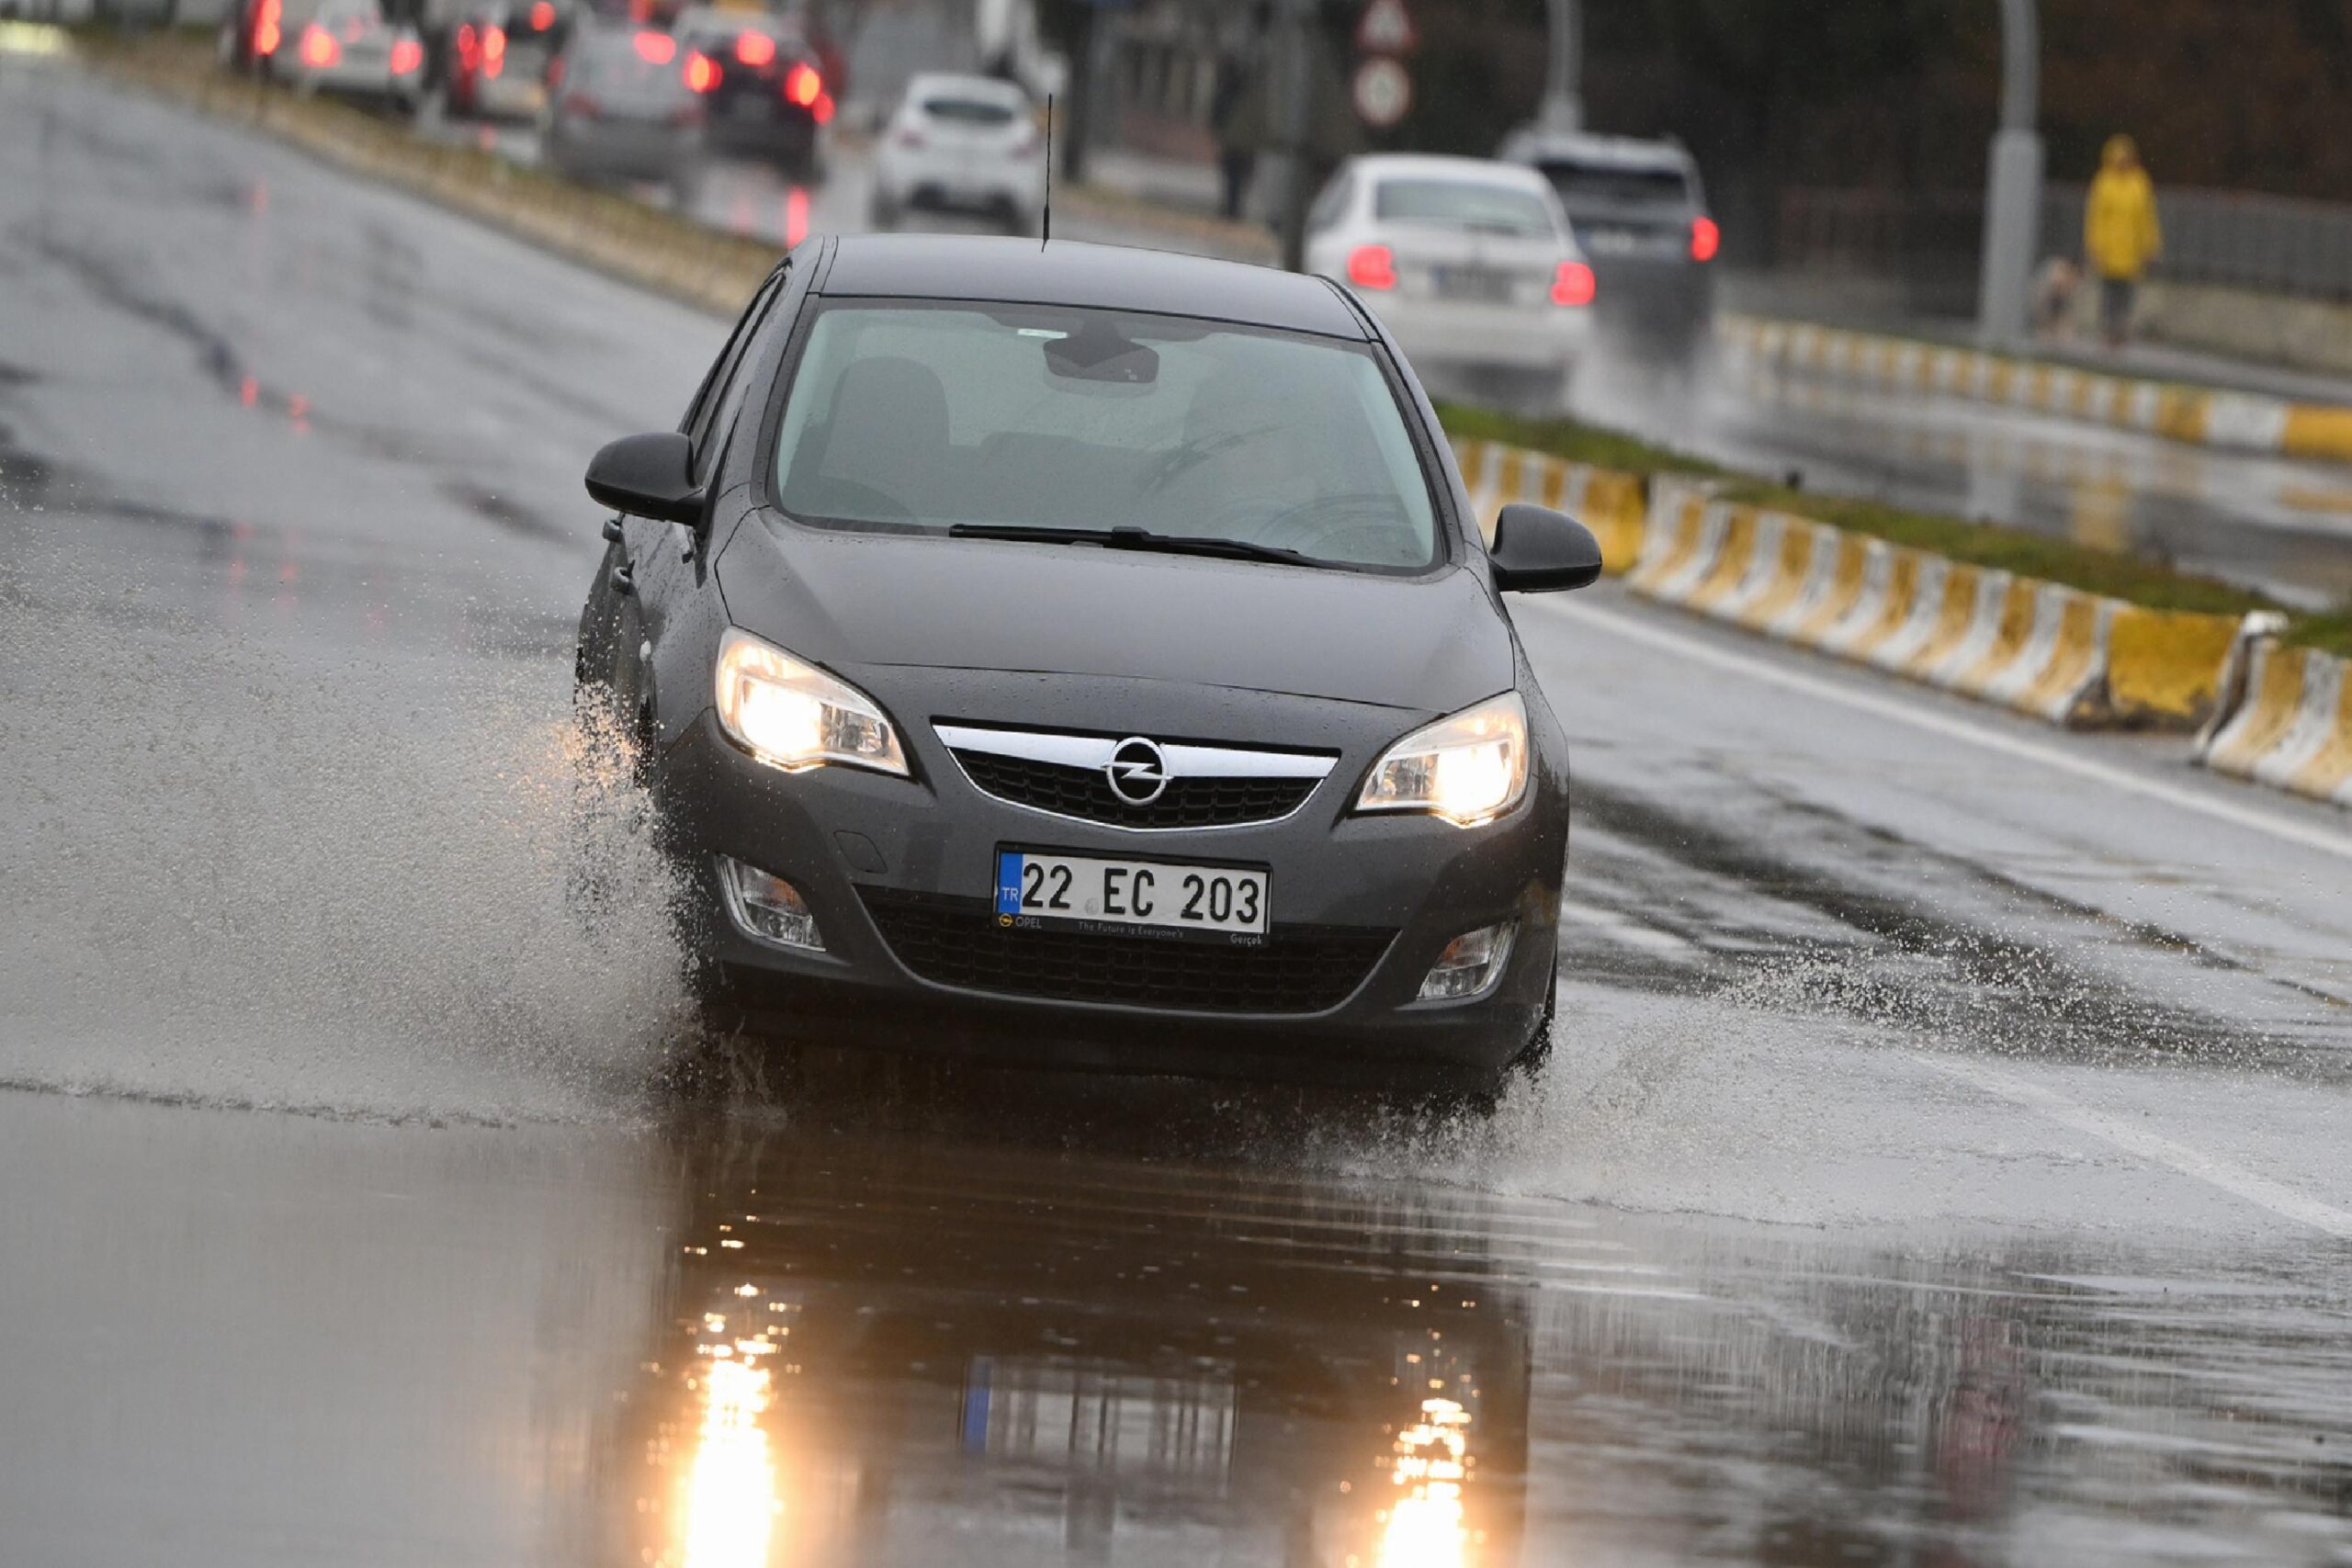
{"type": "Point", "coordinates": [1327, 520]}
{"type": "Point", "coordinates": [826, 496]}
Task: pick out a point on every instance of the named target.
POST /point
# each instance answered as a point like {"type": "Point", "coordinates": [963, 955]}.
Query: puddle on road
{"type": "Point", "coordinates": [739, 1341]}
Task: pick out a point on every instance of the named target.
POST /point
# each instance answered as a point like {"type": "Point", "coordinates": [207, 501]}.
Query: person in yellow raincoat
{"type": "Point", "coordinates": [2120, 235]}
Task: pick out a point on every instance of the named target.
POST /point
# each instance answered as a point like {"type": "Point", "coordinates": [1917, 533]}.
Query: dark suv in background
{"type": "Point", "coordinates": [1640, 215]}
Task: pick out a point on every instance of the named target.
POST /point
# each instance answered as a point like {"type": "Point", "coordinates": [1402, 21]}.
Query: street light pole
{"type": "Point", "coordinates": [2013, 188]}
{"type": "Point", "coordinates": [1563, 108]}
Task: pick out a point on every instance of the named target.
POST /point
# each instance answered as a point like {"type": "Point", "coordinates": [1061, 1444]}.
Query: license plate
{"type": "Point", "coordinates": [1034, 890]}
{"type": "Point", "coordinates": [1474, 283]}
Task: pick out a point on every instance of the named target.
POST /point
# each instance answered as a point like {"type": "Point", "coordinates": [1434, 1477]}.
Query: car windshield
{"type": "Point", "coordinates": [1462, 204]}
{"type": "Point", "coordinates": [922, 418]}
{"type": "Point", "coordinates": [1602, 181]}
{"type": "Point", "coordinates": [957, 110]}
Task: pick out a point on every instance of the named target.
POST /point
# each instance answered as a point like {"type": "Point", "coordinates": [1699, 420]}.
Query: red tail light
{"type": "Point", "coordinates": [318, 47]}
{"type": "Point", "coordinates": [1372, 266]}
{"type": "Point", "coordinates": [407, 55]}
{"type": "Point", "coordinates": [802, 85]}
{"type": "Point", "coordinates": [655, 49]}
{"type": "Point", "coordinates": [701, 72]}
{"type": "Point", "coordinates": [796, 216]}
{"type": "Point", "coordinates": [1705, 238]}
{"type": "Point", "coordinates": [821, 111]}
{"type": "Point", "coordinates": [493, 50]}
{"type": "Point", "coordinates": [1573, 284]}
{"type": "Point", "coordinates": [268, 26]}
{"type": "Point", "coordinates": [543, 16]}
{"type": "Point", "coordinates": [468, 45]}
{"type": "Point", "coordinates": [555, 74]}
{"type": "Point", "coordinates": [754, 48]}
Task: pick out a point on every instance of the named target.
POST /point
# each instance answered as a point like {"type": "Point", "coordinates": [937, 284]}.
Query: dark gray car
{"type": "Point", "coordinates": [1640, 213]}
{"type": "Point", "coordinates": [1088, 654]}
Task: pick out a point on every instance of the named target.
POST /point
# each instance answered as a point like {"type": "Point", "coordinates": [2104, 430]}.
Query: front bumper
{"type": "Point", "coordinates": [860, 845]}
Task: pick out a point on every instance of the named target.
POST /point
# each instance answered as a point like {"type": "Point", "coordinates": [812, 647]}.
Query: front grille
{"type": "Point", "coordinates": [956, 942]}
{"type": "Point", "coordinates": [1086, 793]}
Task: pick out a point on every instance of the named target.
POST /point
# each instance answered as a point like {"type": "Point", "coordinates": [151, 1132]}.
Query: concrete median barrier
{"type": "Point", "coordinates": [2286, 719]}
{"type": "Point", "coordinates": [1610, 502]}
{"type": "Point", "coordinates": [2199, 416]}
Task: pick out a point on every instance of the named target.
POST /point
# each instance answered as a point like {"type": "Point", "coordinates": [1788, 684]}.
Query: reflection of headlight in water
{"type": "Point", "coordinates": [731, 1494]}
{"type": "Point", "coordinates": [1425, 1528]}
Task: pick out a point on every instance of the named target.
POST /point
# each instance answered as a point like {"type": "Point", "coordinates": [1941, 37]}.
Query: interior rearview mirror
{"type": "Point", "coordinates": [648, 476]}
{"type": "Point", "coordinates": [1537, 550]}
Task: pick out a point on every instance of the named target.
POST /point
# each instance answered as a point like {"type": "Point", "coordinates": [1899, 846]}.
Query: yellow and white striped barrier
{"type": "Point", "coordinates": [2290, 725]}
{"type": "Point", "coordinates": [2036, 647]}
{"type": "Point", "coordinates": [2039, 648]}
{"type": "Point", "coordinates": [2238, 421]}
{"type": "Point", "coordinates": [1607, 501]}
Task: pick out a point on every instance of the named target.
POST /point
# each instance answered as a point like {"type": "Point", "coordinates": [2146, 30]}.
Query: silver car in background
{"type": "Point", "coordinates": [623, 109]}
{"type": "Point", "coordinates": [1470, 262]}
{"type": "Point", "coordinates": [349, 48]}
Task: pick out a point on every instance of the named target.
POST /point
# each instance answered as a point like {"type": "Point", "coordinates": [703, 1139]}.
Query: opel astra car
{"type": "Point", "coordinates": [1088, 654]}
{"type": "Point", "coordinates": [1471, 263]}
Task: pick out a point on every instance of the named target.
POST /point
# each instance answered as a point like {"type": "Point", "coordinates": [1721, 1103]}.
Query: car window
{"type": "Point", "coordinates": [917, 418]}
{"type": "Point", "coordinates": [1464, 204]}
{"type": "Point", "coordinates": [954, 110]}
{"type": "Point", "coordinates": [1601, 181]}
{"type": "Point", "coordinates": [718, 393]}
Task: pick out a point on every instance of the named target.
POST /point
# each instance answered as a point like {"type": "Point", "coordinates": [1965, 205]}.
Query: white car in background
{"type": "Point", "coordinates": [1470, 262]}
{"type": "Point", "coordinates": [349, 48]}
{"type": "Point", "coordinates": [961, 143]}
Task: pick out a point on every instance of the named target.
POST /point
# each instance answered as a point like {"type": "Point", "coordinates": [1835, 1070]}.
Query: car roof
{"type": "Point", "coordinates": [1446, 166]}
{"type": "Point", "coordinates": [1613, 151]}
{"type": "Point", "coordinates": [1071, 272]}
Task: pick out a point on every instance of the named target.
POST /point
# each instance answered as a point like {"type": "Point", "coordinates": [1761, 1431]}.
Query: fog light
{"type": "Point", "coordinates": [768, 908]}
{"type": "Point", "coordinates": [1470, 964]}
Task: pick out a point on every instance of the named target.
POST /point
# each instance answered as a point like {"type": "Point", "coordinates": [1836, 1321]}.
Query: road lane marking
{"type": "Point", "coordinates": [2233, 1178]}
{"type": "Point", "coordinates": [1911, 712]}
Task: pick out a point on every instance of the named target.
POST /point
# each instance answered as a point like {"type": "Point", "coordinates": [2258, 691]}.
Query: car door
{"type": "Point", "coordinates": [660, 570]}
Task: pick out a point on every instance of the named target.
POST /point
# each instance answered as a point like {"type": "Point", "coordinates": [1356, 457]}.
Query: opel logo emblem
{"type": "Point", "coordinates": [1137, 770]}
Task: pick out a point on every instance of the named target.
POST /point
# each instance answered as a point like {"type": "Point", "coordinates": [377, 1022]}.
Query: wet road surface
{"type": "Point", "coordinates": [1943, 1160]}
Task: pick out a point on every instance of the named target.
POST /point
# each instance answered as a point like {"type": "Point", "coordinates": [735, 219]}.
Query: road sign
{"type": "Point", "coordinates": [1383, 92]}
{"type": "Point", "coordinates": [1387, 27]}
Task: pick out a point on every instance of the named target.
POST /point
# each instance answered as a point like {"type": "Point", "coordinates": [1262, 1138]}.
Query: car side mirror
{"type": "Point", "coordinates": [648, 476]}
{"type": "Point", "coordinates": [1537, 550]}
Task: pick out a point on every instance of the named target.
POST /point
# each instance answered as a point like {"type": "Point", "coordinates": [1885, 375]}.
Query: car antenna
{"type": "Point", "coordinates": [1046, 232]}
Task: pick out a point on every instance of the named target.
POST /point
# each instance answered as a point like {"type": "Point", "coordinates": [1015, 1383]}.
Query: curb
{"type": "Point", "coordinates": [1607, 501]}
{"type": "Point", "coordinates": [2289, 720]}
{"type": "Point", "coordinates": [2239, 422]}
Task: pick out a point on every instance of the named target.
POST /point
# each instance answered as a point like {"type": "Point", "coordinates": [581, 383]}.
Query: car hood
{"type": "Point", "coordinates": [847, 599]}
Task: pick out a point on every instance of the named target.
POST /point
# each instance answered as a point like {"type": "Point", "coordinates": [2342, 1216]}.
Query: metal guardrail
{"type": "Point", "coordinates": [1929, 240]}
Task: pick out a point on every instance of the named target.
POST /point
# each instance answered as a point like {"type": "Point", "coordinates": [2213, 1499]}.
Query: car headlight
{"type": "Point", "coordinates": [794, 716]}
{"type": "Point", "coordinates": [1468, 768]}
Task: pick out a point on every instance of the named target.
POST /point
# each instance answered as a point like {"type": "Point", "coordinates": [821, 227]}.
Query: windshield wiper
{"type": "Point", "coordinates": [1132, 539]}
